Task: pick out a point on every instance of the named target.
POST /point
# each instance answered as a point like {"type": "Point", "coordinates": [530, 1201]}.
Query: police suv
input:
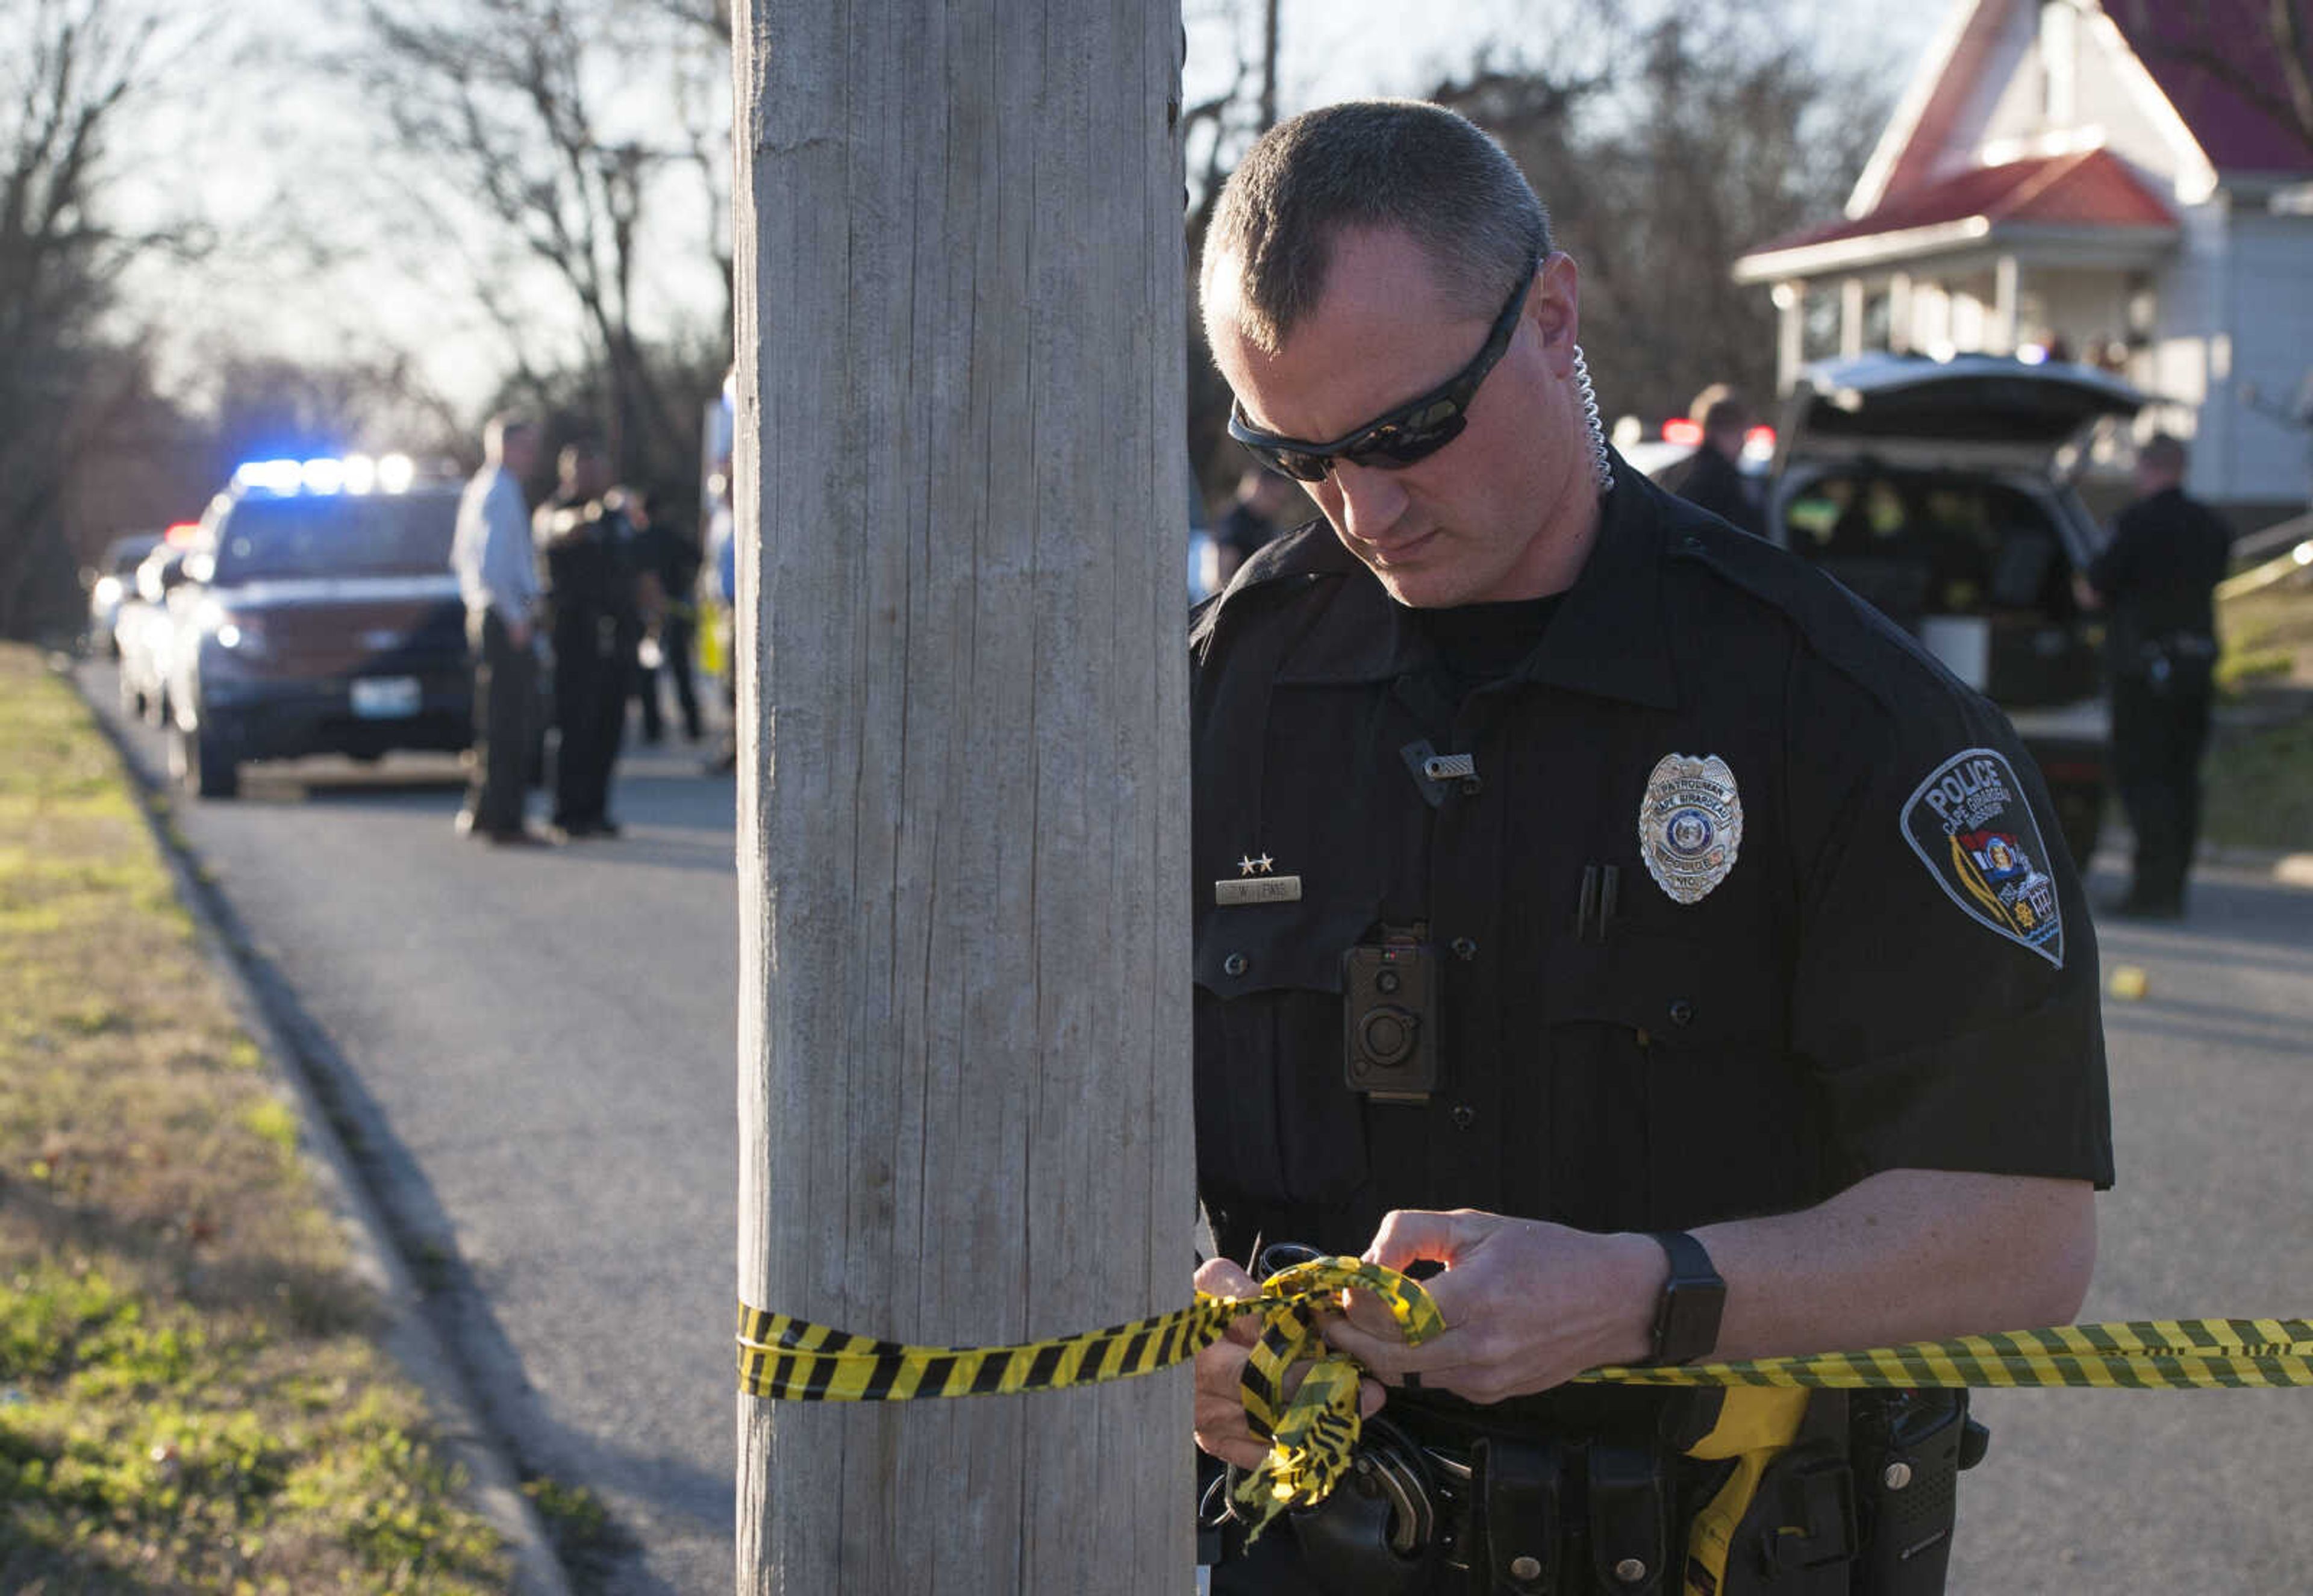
{"type": "Point", "coordinates": [322, 616]}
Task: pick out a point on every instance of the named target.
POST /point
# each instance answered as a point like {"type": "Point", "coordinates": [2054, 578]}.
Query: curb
{"type": "Point", "coordinates": [494, 1488]}
{"type": "Point", "coordinates": [2290, 869]}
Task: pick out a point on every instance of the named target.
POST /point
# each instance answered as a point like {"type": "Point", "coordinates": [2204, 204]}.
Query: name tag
{"type": "Point", "coordinates": [1258, 888]}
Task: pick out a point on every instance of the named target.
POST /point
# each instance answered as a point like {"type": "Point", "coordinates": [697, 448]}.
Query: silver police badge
{"type": "Point", "coordinates": [1690, 825]}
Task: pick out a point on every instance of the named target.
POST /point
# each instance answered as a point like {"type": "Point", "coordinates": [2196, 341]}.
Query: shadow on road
{"type": "Point", "coordinates": [455, 1298]}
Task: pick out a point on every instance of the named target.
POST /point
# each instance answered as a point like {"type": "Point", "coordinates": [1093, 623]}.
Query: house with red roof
{"type": "Point", "coordinates": [2125, 182]}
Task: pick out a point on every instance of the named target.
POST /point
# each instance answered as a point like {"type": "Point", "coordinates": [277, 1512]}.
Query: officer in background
{"type": "Point", "coordinates": [1598, 905]}
{"type": "Point", "coordinates": [1712, 475]}
{"type": "Point", "coordinates": [591, 577]}
{"type": "Point", "coordinates": [2158, 579]}
{"type": "Point", "coordinates": [669, 557]}
{"type": "Point", "coordinates": [1265, 505]}
{"type": "Point", "coordinates": [497, 576]}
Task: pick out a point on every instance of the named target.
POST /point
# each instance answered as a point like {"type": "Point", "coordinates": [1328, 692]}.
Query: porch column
{"type": "Point", "coordinates": [1899, 314]}
{"type": "Point", "coordinates": [2000, 336]}
{"type": "Point", "coordinates": [1791, 333]}
{"type": "Point", "coordinates": [1851, 317]}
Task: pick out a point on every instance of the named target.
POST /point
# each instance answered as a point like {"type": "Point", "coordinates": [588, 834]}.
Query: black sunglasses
{"type": "Point", "coordinates": [1413, 430]}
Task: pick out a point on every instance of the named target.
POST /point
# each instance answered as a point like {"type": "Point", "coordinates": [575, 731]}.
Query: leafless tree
{"type": "Point", "coordinates": [505, 104]}
{"type": "Point", "coordinates": [68, 70]}
{"type": "Point", "coordinates": [1662, 159]}
{"type": "Point", "coordinates": [710, 17]}
{"type": "Point", "coordinates": [2262, 50]}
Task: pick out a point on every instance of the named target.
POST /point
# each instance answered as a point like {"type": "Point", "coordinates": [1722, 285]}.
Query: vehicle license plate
{"type": "Point", "coordinates": [386, 697]}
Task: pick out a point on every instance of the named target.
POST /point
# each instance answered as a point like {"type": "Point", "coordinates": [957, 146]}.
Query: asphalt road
{"type": "Point", "coordinates": [541, 1046]}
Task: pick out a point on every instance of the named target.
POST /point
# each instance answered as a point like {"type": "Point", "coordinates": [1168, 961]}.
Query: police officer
{"type": "Point", "coordinates": [591, 577]}
{"type": "Point", "coordinates": [1263, 507]}
{"type": "Point", "coordinates": [1712, 475]}
{"type": "Point", "coordinates": [669, 558]}
{"type": "Point", "coordinates": [1596, 905]}
{"type": "Point", "coordinates": [2168, 554]}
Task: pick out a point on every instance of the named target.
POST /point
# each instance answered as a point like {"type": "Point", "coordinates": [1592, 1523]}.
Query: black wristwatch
{"type": "Point", "coordinates": [1686, 1319]}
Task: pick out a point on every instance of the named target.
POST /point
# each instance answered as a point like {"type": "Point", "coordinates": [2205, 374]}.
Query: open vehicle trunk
{"type": "Point", "coordinates": [1978, 568]}
{"type": "Point", "coordinates": [1929, 488]}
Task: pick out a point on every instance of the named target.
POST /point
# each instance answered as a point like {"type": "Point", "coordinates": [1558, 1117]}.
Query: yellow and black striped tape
{"type": "Point", "coordinates": [1312, 1434]}
{"type": "Point", "coordinates": [796, 1360]}
{"type": "Point", "coordinates": [2130, 1354]}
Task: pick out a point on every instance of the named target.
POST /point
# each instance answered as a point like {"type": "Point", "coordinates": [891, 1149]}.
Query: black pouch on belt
{"type": "Point", "coordinates": [1910, 1449]}
{"type": "Point", "coordinates": [1629, 1520]}
{"type": "Point", "coordinates": [1519, 1523]}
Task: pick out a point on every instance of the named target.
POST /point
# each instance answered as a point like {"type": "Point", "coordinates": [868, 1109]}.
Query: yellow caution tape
{"type": "Point", "coordinates": [1313, 1434]}
{"type": "Point", "coordinates": [2131, 1354]}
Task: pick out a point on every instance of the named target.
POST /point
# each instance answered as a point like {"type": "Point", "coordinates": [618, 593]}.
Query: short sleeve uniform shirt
{"type": "Point", "coordinates": [1735, 897]}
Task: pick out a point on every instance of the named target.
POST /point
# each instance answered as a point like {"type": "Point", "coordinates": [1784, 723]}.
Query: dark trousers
{"type": "Point", "coordinates": [505, 678]}
{"type": "Point", "coordinates": [675, 635]}
{"type": "Point", "coordinates": [594, 663]}
{"type": "Point", "coordinates": [2160, 729]}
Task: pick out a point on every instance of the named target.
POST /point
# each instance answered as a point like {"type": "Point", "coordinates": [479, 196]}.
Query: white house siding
{"type": "Point", "coordinates": [2195, 305]}
{"type": "Point", "coordinates": [2013, 100]}
{"type": "Point", "coordinates": [1993, 98]}
{"type": "Point", "coordinates": [2271, 289]}
{"type": "Point", "coordinates": [2117, 96]}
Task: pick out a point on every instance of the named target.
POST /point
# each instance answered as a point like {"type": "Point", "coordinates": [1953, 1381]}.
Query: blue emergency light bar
{"type": "Point", "coordinates": [330, 474]}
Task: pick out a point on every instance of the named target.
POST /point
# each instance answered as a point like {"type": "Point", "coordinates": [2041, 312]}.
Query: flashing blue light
{"type": "Point", "coordinates": [270, 476]}
{"type": "Point", "coordinates": [325, 474]}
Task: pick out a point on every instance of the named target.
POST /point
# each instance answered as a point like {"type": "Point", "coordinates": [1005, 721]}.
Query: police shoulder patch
{"type": "Point", "coordinates": [1971, 824]}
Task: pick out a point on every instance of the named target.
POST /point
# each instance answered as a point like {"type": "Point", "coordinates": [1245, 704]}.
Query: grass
{"type": "Point", "coordinates": [2259, 785]}
{"type": "Point", "coordinates": [191, 1397]}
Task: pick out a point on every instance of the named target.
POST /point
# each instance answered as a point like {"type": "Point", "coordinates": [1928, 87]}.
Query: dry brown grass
{"type": "Point", "coordinates": [190, 1398]}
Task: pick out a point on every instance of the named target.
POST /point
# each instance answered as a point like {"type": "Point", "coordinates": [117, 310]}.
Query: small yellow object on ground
{"type": "Point", "coordinates": [2129, 982]}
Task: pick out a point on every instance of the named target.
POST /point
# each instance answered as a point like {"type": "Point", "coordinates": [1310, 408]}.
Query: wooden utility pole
{"type": "Point", "coordinates": [964, 782]}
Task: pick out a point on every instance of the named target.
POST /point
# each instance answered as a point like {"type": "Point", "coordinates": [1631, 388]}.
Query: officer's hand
{"type": "Point", "coordinates": [518, 633]}
{"type": "Point", "coordinates": [1526, 1304]}
{"type": "Point", "coordinates": [1220, 1424]}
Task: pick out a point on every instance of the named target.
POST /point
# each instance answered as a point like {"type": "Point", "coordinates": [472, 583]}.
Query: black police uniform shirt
{"type": "Point", "coordinates": [1888, 965]}
{"type": "Point", "coordinates": [590, 558]}
{"type": "Point", "coordinates": [2161, 572]}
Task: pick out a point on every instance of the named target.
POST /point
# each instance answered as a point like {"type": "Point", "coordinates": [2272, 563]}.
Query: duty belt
{"type": "Point", "coordinates": [1446, 1502]}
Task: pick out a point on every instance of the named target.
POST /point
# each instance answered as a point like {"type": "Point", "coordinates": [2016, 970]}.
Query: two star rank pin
{"type": "Point", "coordinates": [1257, 881]}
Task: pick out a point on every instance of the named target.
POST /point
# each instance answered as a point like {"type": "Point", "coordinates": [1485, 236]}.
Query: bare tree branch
{"type": "Point", "coordinates": [2224, 40]}
{"type": "Point", "coordinates": [499, 95]}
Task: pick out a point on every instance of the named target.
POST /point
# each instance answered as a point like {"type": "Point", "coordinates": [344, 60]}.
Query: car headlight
{"type": "Point", "coordinates": [243, 635]}
{"type": "Point", "coordinates": [107, 590]}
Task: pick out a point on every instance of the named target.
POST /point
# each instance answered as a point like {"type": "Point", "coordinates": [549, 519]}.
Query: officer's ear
{"type": "Point", "coordinates": [1554, 309]}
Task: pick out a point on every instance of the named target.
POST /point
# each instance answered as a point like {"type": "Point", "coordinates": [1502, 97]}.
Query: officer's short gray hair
{"type": "Point", "coordinates": [1403, 163]}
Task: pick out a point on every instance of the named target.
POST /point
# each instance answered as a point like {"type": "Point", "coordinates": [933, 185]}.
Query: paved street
{"type": "Point", "coordinates": [544, 1042]}
{"type": "Point", "coordinates": [2213, 1112]}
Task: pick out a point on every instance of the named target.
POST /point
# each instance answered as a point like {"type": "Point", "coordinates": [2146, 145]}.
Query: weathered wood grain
{"type": "Point", "coordinates": [964, 799]}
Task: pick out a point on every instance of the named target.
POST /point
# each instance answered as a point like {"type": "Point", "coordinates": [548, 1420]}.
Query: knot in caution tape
{"type": "Point", "coordinates": [1311, 1433]}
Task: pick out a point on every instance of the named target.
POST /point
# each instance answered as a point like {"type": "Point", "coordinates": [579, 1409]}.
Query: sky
{"type": "Point", "coordinates": [287, 158]}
